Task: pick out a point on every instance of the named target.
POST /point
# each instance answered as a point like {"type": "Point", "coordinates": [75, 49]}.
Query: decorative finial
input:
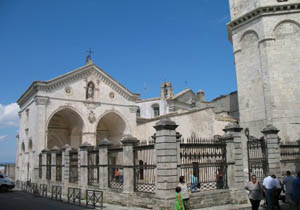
{"type": "Point", "coordinates": [89, 56]}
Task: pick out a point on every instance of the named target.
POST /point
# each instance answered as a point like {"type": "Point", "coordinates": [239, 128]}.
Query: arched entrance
{"type": "Point", "coordinates": [112, 127]}
{"type": "Point", "coordinates": [65, 127]}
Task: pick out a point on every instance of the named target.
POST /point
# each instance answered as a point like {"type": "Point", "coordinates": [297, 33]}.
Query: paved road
{"type": "Point", "coordinates": [17, 200]}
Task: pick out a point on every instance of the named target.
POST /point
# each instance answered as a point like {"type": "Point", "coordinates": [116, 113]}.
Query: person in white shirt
{"type": "Point", "coordinates": [269, 184]}
{"type": "Point", "coordinates": [184, 192]}
{"type": "Point", "coordinates": [276, 193]}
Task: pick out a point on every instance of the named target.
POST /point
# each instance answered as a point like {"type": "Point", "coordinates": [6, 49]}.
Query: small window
{"type": "Point", "coordinates": [165, 91]}
{"type": "Point", "coordinates": [156, 110]}
{"type": "Point", "coordinates": [138, 112]}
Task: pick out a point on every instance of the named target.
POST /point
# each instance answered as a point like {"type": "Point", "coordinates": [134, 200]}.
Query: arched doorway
{"type": "Point", "coordinates": [112, 127]}
{"type": "Point", "coordinates": [65, 127]}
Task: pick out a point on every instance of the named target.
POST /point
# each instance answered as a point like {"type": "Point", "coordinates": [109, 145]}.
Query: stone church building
{"type": "Point", "coordinates": [87, 105]}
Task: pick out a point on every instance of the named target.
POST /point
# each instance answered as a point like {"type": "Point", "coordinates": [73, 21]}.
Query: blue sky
{"type": "Point", "coordinates": [140, 43]}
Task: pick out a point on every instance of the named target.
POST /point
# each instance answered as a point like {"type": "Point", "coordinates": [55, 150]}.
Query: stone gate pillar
{"type": "Point", "coordinates": [103, 164]}
{"type": "Point", "coordinates": [83, 167]}
{"type": "Point", "coordinates": [273, 149]}
{"type": "Point", "coordinates": [166, 163]}
{"type": "Point", "coordinates": [128, 163]}
{"type": "Point", "coordinates": [235, 160]}
{"type": "Point", "coordinates": [66, 172]}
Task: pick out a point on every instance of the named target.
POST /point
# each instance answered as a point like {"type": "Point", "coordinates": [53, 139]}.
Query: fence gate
{"type": "Point", "coordinates": [257, 157]}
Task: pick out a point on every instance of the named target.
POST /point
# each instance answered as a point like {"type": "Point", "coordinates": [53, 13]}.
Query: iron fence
{"type": "Point", "coordinates": [40, 165]}
{"type": "Point", "coordinates": [203, 163]}
{"type": "Point", "coordinates": [290, 153]}
{"type": "Point", "coordinates": [257, 157]}
{"type": "Point", "coordinates": [115, 167]}
{"type": "Point", "coordinates": [94, 198]}
{"type": "Point", "coordinates": [48, 166]}
{"type": "Point", "coordinates": [56, 192]}
{"type": "Point", "coordinates": [58, 167]}
{"type": "Point", "coordinates": [73, 176]}
{"type": "Point", "coordinates": [74, 195]}
{"type": "Point", "coordinates": [93, 167]}
{"type": "Point", "coordinates": [43, 190]}
{"type": "Point", "coordinates": [144, 168]}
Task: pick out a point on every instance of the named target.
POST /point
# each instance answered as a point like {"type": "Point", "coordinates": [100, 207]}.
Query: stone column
{"type": "Point", "coordinates": [166, 163]}
{"type": "Point", "coordinates": [273, 149]}
{"type": "Point", "coordinates": [235, 153]}
{"type": "Point", "coordinates": [54, 150]}
{"type": "Point", "coordinates": [66, 173]}
{"type": "Point", "coordinates": [128, 163]}
{"type": "Point", "coordinates": [89, 138]}
{"type": "Point", "coordinates": [103, 163]}
{"type": "Point", "coordinates": [44, 167]}
{"type": "Point", "coordinates": [83, 169]}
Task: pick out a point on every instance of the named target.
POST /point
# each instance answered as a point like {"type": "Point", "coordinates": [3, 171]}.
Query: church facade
{"type": "Point", "coordinates": [87, 106]}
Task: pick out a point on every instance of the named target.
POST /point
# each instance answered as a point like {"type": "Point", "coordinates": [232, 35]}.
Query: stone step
{"type": "Point", "coordinates": [228, 207]}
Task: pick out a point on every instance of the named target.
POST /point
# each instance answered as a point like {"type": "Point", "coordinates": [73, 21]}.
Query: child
{"type": "Point", "coordinates": [179, 202]}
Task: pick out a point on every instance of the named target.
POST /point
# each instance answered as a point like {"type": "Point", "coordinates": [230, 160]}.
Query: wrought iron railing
{"type": "Point", "coordinates": [93, 167]}
{"type": "Point", "coordinates": [73, 176]}
{"type": "Point", "coordinates": [43, 190]}
{"type": "Point", "coordinates": [144, 168]}
{"type": "Point", "coordinates": [58, 167]}
{"type": "Point", "coordinates": [115, 168]}
{"type": "Point", "coordinates": [203, 163]}
{"type": "Point", "coordinates": [94, 198]}
{"type": "Point", "coordinates": [56, 192]}
{"type": "Point", "coordinates": [74, 195]}
{"type": "Point", "coordinates": [290, 152]}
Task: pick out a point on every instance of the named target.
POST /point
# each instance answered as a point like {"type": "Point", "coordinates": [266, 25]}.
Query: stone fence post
{"type": "Point", "coordinates": [103, 163]}
{"type": "Point", "coordinates": [166, 167]}
{"type": "Point", "coordinates": [129, 142]}
{"type": "Point", "coordinates": [83, 167]}
{"type": "Point", "coordinates": [234, 158]}
{"type": "Point", "coordinates": [66, 175]}
{"type": "Point", "coordinates": [273, 149]}
{"type": "Point", "coordinates": [54, 151]}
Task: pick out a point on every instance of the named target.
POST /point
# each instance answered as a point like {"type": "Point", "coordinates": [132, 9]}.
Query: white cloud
{"type": "Point", "coordinates": [3, 138]}
{"type": "Point", "coordinates": [9, 115]}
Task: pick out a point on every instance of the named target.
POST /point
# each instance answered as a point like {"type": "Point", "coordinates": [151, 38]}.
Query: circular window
{"type": "Point", "coordinates": [68, 90]}
{"type": "Point", "coordinates": [111, 95]}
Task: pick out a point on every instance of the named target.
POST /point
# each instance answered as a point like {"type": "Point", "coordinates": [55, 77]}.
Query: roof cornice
{"type": "Point", "coordinates": [259, 12]}
{"type": "Point", "coordinates": [80, 73]}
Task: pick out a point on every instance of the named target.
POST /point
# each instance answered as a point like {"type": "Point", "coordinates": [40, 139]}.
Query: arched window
{"type": "Point", "coordinates": [23, 148]}
{"type": "Point", "coordinates": [165, 91]}
{"type": "Point", "coordinates": [155, 108]}
{"type": "Point", "coordinates": [30, 145]}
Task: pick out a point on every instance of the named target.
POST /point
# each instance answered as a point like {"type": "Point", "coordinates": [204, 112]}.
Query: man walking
{"type": "Point", "coordinates": [288, 184]}
{"type": "Point", "coordinates": [296, 190]}
{"type": "Point", "coordinates": [269, 184]}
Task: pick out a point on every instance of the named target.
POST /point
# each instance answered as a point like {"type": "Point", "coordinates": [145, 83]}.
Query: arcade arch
{"type": "Point", "coordinates": [112, 127]}
{"type": "Point", "coordinates": [65, 127]}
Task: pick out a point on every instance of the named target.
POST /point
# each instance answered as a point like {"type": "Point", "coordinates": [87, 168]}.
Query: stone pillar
{"type": "Point", "coordinates": [54, 150]}
{"type": "Point", "coordinates": [273, 149]}
{"type": "Point", "coordinates": [83, 169]}
{"type": "Point", "coordinates": [103, 163]}
{"type": "Point", "coordinates": [66, 173]}
{"type": "Point", "coordinates": [44, 167]}
{"type": "Point", "coordinates": [89, 138]}
{"type": "Point", "coordinates": [235, 160]}
{"type": "Point", "coordinates": [166, 163]}
{"type": "Point", "coordinates": [128, 163]}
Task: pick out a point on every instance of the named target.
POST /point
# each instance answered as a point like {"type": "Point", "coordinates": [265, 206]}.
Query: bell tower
{"type": "Point", "coordinates": [266, 44]}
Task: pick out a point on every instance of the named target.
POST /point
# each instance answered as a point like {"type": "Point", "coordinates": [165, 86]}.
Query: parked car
{"type": "Point", "coordinates": [6, 183]}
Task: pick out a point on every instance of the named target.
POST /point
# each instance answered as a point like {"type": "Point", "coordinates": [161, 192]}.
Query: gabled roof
{"type": "Point", "coordinates": [77, 74]}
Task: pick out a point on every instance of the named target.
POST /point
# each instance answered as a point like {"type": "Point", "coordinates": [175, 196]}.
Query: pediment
{"type": "Point", "coordinates": [87, 72]}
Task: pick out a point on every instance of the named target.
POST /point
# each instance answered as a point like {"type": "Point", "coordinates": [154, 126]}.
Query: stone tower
{"type": "Point", "coordinates": [266, 42]}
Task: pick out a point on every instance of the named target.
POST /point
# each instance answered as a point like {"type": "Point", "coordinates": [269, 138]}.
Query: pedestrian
{"type": "Point", "coordinates": [288, 184]}
{"type": "Point", "coordinates": [184, 193]}
{"type": "Point", "coordinates": [194, 183]}
{"type": "Point", "coordinates": [268, 185]}
{"type": "Point", "coordinates": [220, 179]}
{"type": "Point", "coordinates": [179, 201]}
{"type": "Point", "coordinates": [296, 190]}
{"type": "Point", "coordinates": [255, 192]}
{"type": "Point", "coordinates": [276, 193]}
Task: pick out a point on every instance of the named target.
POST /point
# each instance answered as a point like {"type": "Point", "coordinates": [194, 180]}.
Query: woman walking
{"type": "Point", "coordinates": [179, 201]}
{"type": "Point", "coordinates": [255, 192]}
